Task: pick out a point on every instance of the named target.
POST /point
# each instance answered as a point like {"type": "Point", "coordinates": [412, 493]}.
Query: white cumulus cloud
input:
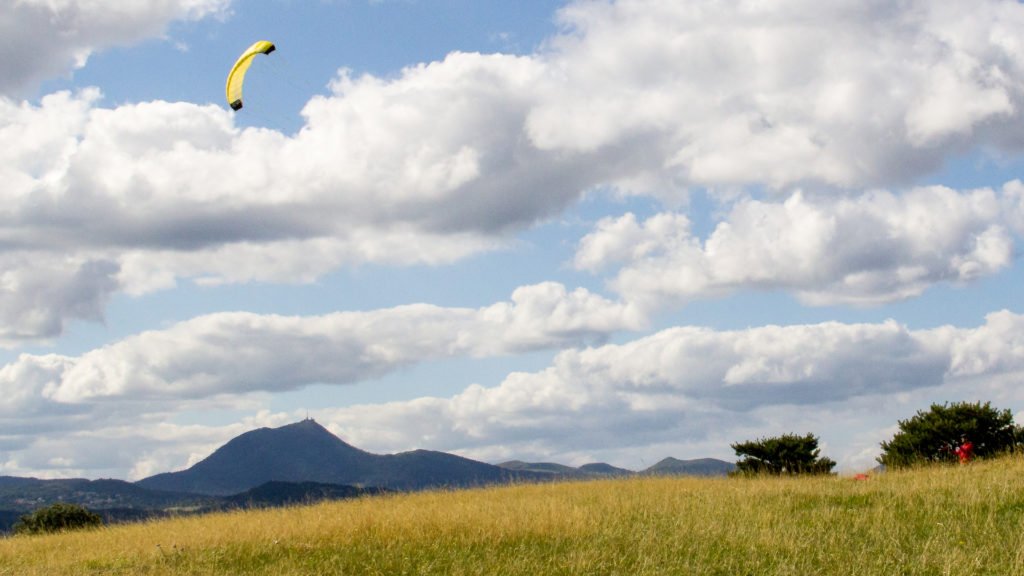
{"type": "Point", "coordinates": [869, 248]}
{"type": "Point", "coordinates": [45, 38]}
{"type": "Point", "coordinates": [849, 93]}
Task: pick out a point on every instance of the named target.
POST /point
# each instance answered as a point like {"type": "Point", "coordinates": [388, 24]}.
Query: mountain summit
{"type": "Point", "coordinates": [697, 467]}
{"type": "Point", "coordinates": [307, 452]}
{"type": "Point", "coordinates": [301, 452]}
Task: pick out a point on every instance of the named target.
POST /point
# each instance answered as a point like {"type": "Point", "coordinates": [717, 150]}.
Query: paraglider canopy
{"type": "Point", "coordinates": [237, 75]}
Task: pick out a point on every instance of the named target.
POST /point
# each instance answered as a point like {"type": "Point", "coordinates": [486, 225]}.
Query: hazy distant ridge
{"type": "Point", "coordinates": [668, 466]}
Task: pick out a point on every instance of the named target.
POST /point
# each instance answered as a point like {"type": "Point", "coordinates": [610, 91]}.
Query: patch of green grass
{"type": "Point", "coordinates": [947, 520]}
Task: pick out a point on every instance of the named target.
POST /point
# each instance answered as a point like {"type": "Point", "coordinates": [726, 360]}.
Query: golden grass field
{"type": "Point", "coordinates": [966, 520]}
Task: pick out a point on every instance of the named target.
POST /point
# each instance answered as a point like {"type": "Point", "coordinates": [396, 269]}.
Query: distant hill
{"type": "Point", "coordinates": [602, 469]}
{"type": "Point", "coordinates": [114, 500]}
{"type": "Point", "coordinates": [300, 452]}
{"type": "Point", "coordinates": [547, 468]}
{"type": "Point", "coordinates": [308, 452]}
{"type": "Point", "coordinates": [274, 494]}
{"type": "Point", "coordinates": [668, 466]}
{"type": "Point", "coordinates": [561, 471]}
{"type": "Point", "coordinates": [27, 494]}
{"type": "Point", "coordinates": [697, 467]}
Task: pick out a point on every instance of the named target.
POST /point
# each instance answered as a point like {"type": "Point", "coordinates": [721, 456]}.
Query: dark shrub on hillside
{"type": "Point", "coordinates": [58, 517]}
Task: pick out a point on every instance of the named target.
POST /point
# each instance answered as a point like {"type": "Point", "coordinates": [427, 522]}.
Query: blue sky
{"type": "Point", "coordinates": [570, 231]}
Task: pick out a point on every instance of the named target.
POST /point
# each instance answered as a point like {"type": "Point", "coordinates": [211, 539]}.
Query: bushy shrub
{"type": "Point", "coordinates": [933, 435]}
{"type": "Point", "coordinates": [58, 517]}
{"type": "Point", "coordinates": [787, 454]}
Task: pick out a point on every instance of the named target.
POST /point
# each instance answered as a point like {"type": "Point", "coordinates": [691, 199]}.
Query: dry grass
{"type": "Point", "coordinates": [950, 520]}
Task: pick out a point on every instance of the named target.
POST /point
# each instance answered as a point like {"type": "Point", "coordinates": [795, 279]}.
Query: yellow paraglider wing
{"type": "Point", "coordinates": [237, 74]}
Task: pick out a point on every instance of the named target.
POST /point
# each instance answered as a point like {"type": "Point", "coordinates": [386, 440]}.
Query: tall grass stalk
{"type": "Point", "coordinates": [947, 520]}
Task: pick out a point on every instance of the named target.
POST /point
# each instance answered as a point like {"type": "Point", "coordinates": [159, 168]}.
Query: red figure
{"type": "Point", "coordinates": [965, 451]}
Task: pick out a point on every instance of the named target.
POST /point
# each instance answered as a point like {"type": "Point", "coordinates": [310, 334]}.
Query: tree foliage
{"type": "Point", "coordinates": [786, 454]}
{"type": "Point", "coordinates": [932, 436]}
{"type": "Point", "coordinates": [58, 517]}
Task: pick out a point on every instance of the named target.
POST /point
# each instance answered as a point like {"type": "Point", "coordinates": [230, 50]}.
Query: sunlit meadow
{"type": "Point", "coordinates": [945, 520]}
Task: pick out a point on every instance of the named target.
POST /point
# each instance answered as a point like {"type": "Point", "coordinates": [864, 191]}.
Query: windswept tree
{"type": "Point", "coordinates": [786, 454]}
{"type": "Point", "coordinates": [933, 435]}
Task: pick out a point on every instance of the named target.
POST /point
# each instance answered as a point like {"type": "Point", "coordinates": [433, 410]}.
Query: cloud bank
{"type": "Point", "coordinates": [680, 386]}
{"type": "Point", "coordinates": [451, 158]}
{"type": "Point", "coordinates": [686, 384]}
{"type": "Point", "coordinates": [240, 353]}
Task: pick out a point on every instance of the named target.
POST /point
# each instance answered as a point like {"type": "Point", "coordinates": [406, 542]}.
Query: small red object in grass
{"type": "Point", "coordinates": [861, 477]}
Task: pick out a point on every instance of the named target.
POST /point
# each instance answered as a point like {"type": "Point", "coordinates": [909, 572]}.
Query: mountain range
{"type": "Point", "coordinates": [299, 462]}
{"type": "Point", "coordinates": [308, 452]}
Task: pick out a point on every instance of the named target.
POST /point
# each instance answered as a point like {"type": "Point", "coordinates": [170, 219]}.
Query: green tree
{"type": "Point", "coordinates": [58, 517]}
{"type": "Point", "coordinates": [931, 436]}
{"type": "Point", "coordinates": [786, 454]}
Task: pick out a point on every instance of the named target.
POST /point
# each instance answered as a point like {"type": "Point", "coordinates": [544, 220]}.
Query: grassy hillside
{"type": "Point", "coordinates": [954, 520]}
